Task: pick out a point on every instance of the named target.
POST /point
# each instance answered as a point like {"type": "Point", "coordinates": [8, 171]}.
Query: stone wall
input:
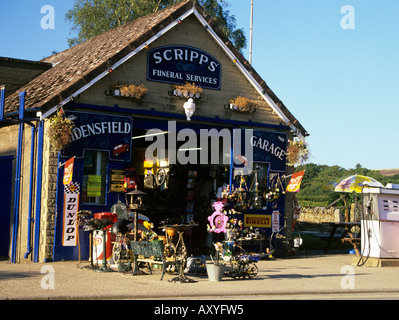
{"type": "Point", "coordinates": [319, 215]}
{"type": "Point", "coordinates": [49, 188]}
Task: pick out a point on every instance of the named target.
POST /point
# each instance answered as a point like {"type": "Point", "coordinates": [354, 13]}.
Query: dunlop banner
{"type": "Point", "coordinates": [71, 207]}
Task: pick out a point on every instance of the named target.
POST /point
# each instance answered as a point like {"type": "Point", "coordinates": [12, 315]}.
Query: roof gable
{"type": "Point", "coordinates": [76, 69]}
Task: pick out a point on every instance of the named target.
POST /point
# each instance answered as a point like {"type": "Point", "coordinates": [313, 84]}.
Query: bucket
{"type": "Point", "coordinates": [215, 271]}
{"type": "Point", "coordinates": [98, 246]}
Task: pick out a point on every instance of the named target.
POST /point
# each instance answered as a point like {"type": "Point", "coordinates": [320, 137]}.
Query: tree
{"type": "Point", "coordinates": [93, 17]}
{"type": "Point", "coordinates": [317, 177]}
{"type": "Point", "coordinates": [226, 22]}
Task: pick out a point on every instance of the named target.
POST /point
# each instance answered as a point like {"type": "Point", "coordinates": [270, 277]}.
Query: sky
{"type": "Point", "coordinates": [336, 68]}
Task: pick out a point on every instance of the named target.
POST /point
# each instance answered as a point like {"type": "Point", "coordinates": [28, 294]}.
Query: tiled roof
{"type": "Point", "coordinates": [76, 67]}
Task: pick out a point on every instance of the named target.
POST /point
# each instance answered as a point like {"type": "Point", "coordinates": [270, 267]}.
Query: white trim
{"type": "Point", "coordinates": [123, 60]}
{"type": "Point", "coordinates": [48, 113]}
{"type": "Point", "coordinates": [243, 70]}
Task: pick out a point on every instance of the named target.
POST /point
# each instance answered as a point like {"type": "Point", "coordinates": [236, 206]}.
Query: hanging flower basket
{"type": "Point", "coordinates": [243, 104]}
{"type": "Point", "coordinates": [187, 90]}
{"type": "Point", "coordinates": [60, 131]}
{"type": "Point", "coordinates": [297, 152]}
{"type": "Point", "coordinates": [131, 91]}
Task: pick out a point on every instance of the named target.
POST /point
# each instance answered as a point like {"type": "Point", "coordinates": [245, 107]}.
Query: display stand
{"type": "Point", "coordinates": [181, 251]}
{"type": "Point", "coordinates": [91, 266]}
{"type": "Point", "coordinates": [135, 205]}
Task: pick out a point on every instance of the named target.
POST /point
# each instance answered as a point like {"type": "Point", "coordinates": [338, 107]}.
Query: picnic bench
{"type": "Point", "coordinates": [149, 253]}
{"type": "Point", "coordinates": [346, 236]}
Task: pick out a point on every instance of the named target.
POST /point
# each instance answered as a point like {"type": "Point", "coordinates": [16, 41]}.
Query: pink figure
{"type": "Point", "coordinates": [218, 220]}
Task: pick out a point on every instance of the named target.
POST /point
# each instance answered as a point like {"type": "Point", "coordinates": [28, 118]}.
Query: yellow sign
{"type": "Point", "coordinates": [93, 186]}
{"type": "Point", "coordinates": [257, 220]}
{"type": "Point", "coordinates": [117, 187]}
{"type": "Point", "coordinates": [118, 176]}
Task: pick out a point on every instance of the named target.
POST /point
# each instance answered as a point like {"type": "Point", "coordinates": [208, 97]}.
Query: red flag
{"type": "Point", "coordinates": [295, 182]}
{"type": "Point", "coordinates": [68, 171]}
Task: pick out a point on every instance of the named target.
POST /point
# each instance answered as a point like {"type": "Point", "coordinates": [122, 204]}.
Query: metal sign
{"type": "Point", "coordinates": [261, 146]}
{"type": "Point", "coordinates": [100, 132]}
{"type": "Point", "coordinates": [257, 220]}
{"type": "Point", "coordinates": [71, 207]}
{"type": "Point", "coordinates": [270, 147]}
{"type": "Point", "coordinates": [181, 64]}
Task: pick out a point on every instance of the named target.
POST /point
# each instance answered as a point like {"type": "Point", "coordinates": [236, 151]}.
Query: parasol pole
{"type": "Point", "coordinates": [251, 31]}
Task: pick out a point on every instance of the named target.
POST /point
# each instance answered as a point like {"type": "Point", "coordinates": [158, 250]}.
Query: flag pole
{"type": "Point", "coordinates": [251, 31]}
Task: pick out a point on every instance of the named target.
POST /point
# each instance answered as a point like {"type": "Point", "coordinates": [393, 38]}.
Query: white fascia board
{"type": "Point", "coordinates": [245, 72]}
{"type": "Point", "coordinates": [120, 62]}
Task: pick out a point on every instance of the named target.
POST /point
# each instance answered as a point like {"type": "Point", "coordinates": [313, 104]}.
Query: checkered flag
{"type": "Point", "coordinates": [72, 188]}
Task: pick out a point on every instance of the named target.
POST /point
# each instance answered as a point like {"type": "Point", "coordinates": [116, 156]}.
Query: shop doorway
{"type": "Point", "coordinates": [5, 200]}
{"type": "Point", "coordinates": [180, 193]}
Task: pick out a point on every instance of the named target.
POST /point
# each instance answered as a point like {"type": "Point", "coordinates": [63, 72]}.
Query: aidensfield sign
{"type": "Point", "coordinates": [100, 132]}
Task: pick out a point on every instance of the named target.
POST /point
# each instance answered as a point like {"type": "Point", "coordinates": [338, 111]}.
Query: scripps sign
{"type": "Point", "coordinates": [181, 64]}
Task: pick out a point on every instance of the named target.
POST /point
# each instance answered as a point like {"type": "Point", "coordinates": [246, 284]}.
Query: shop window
{"type": "Point", "coordinates": [94, 177]}
{"type": "Point", "coordinates": [260, 174]}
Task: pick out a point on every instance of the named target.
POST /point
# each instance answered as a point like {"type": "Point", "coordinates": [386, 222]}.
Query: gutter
{"type": "Point", "coordinates": [2, 101]}
{"type": "Point", "coordinates": [176, 116]}
{"type": "Point", "coordinates": [18, 177]}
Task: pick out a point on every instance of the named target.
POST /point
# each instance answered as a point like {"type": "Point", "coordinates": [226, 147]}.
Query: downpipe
{"type": "Point", "coordinates": [18, 178]}
{"type": "Point", "coordinates": [38, 206]}
{"type": "Point", "coordinates": [30, 220]}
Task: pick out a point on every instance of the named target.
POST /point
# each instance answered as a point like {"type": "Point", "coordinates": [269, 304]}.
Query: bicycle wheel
{"type": "Point", "coordinates": [170, 255]}
{"type": "Point", "coordinates": [169, 250]}
{"type": "Point", "coordinates": [117, 251]}
{"type": "Point", "coordinates": [122, 255]}
{"type": "Point", "coordinates": [160, 177]}
{"type": "Point", "coordinates": [252, 270]}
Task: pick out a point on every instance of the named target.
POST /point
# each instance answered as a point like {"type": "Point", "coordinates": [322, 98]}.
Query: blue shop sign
{"type": "Point", "coordinates": [100, 132]}
{"type": "Point", "coordinates": [181, 64]}
{"type": "Point", "coordinates": [262, 146]}
{"type": "Point", "coordinates": [270, 147]}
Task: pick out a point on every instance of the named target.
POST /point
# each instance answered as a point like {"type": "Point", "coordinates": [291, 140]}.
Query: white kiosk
{"type": "Point", "coordinates": [380, 222]}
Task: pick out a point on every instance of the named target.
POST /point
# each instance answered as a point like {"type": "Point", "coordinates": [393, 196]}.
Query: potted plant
{"type": "Point", "coordinates": [243, 104]}
{"type": "Point", "coordinates": [60, 131]}
{"type": "Point", "coordinates": [297, 152]}
{"type": "Point", "coordinates": [187, 90]}
{"type": "Point", "coordinates": [131, 90]}
{"type": "Point", "coordinates": [216, 269]}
